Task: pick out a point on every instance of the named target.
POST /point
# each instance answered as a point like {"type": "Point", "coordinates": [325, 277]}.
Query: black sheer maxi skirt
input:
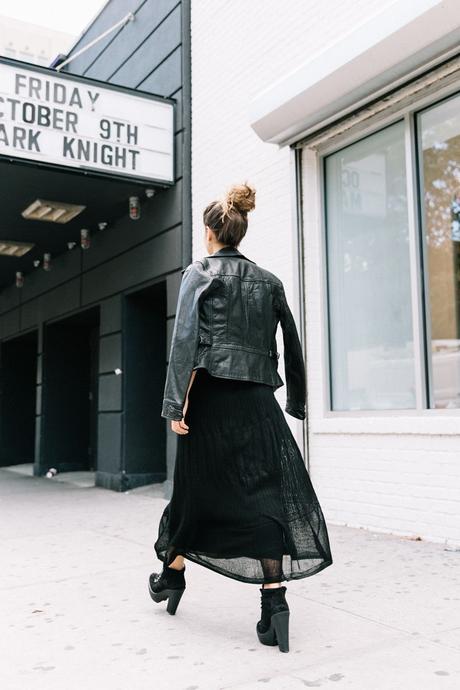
{"type": "Point", "coordinates": [242, 503]}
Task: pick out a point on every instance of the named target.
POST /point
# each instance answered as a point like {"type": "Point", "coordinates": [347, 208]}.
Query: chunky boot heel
{"type": "Point", "coordinates": [280, 623]}
{"type": "Point", "coordinates": [273, 626]}
{"type": "Point", "coordinates": [174, 597]}
{"type": "Point", "coordinates": [168, 585]}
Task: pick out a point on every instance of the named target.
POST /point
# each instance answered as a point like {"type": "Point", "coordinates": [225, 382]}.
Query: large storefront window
{"type": "Point", "coordinates": [439, 157]}
{"type": "Point", "coordinates": [368, 269]}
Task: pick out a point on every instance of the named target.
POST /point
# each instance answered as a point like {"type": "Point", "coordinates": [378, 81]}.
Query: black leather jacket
{"type": "Point", "coordinates": [227, 314]}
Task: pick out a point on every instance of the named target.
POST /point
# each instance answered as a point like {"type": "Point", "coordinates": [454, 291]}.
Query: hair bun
{"type": "Point", "coordinates": [242, 197]}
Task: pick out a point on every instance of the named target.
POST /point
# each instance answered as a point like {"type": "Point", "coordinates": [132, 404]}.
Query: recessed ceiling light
{"type": "Point", "coordinates": [11, 248]}
{"type": "Point", "coordinates": [53, 211]}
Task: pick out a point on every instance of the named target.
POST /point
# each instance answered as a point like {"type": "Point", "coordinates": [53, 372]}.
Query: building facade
{"type": "Point", "coordinates": [345, 118]}
{"type": "Point", "coordinates": [84, 345]}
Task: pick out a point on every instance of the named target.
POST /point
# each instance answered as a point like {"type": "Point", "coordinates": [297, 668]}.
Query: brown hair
{"type": "Point", "coordinates": [228, 217]}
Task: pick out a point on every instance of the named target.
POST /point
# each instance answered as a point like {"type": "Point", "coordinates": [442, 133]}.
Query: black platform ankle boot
{"type": "Point", "coordinates": [169, 584]}
{"type": "Point", "coordinates": [273, 626]}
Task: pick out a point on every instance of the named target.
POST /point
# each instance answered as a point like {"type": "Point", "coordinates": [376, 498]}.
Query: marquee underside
{"type": "Point", "coordinates": [106, 200]}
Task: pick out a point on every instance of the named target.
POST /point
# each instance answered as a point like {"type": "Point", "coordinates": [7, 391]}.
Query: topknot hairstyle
{"type": "Point", "coordinates": [228, 217]}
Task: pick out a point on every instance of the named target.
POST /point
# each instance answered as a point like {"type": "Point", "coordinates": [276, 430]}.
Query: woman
{"type": "Point", "coordinates": [242, 504]}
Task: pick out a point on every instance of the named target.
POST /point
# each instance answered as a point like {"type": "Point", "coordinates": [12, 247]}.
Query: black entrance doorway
{"type": "Point", "coordinates": [70, 393]}
{"type": "Point", "coordinates": [18, 381]}
{"type": "Point", "coordinates": [144, 334]}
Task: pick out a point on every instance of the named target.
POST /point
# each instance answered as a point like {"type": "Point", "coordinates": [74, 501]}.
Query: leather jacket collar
{"type": "Point", "coordinates": [229, 251]}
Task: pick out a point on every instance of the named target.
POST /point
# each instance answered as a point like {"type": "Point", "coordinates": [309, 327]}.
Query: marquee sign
{"type": "Point", "coordinates": [83, 123]}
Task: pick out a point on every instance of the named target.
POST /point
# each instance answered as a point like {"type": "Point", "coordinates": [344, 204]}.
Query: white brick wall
{"type": "Point", "coordinates": [239, 48]}
{"type": "Point", "coordinates": [394, 482]}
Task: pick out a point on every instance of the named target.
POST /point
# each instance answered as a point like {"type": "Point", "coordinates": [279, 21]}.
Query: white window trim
{"type": "Point", "coordinates": [442, 82]}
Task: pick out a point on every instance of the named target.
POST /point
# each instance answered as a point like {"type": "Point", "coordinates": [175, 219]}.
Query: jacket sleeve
{"type": "Point", "coordinates": [293, 361]}
{"type": "Point", "coordinates": [184, 341]}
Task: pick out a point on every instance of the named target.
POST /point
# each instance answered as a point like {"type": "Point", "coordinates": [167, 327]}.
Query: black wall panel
{"type": "Point", "coordinates": [30, 314]}
{"type": "Point", "coordinates": [166, 78]}
{"type": "Point", "coordinates": [152, 52]}
{"type": "Point", "coordinates": [9, 298]}
{"type": "Point", "coordinates": [61, 300]}
{"type": "Point", "coordinates": [110, 315]}
{"type": "Point", "coordinates": [109, 442]}
{"type": "Point", "coordinates": [64, 267]}
{"type": "Point", "coordinates": [163, 212]}
{"type": "Point", "coordinates": [110, 353]}
{"type": "Point", "coordinates": [10, 323]}
{"type": "Point", "coordinates": [110, 393]}
{"type": "Point", "coordinates": [107, 56]}
{"type": "Point", "coordinates": [134, 267]}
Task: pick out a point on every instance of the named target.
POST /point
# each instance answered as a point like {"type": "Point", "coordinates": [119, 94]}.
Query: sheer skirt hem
{"type": "Point", "coordinates": [197, 557]}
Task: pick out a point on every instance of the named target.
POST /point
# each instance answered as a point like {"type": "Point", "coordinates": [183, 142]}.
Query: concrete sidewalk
{"type": "Point", "coordinates": [76, 613]}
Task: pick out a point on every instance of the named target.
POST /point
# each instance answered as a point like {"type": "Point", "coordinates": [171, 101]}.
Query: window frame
{"type": "Point", "coordinates": [417, 252]}
{"type": "Point", "coordinates": [418, 155]}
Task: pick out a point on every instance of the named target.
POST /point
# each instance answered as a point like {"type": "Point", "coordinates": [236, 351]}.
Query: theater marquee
{"type": "Point", "coordinates": [82, 123]}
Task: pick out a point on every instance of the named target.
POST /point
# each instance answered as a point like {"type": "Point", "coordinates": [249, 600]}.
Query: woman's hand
{"type": "Point", "coordinates": [179, 427]}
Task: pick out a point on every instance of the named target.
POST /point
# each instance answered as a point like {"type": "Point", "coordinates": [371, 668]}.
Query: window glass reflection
{"type": "Point", "coordinates": [439, 129]}
{"type": "Point", "coordinates": [369, 292]}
